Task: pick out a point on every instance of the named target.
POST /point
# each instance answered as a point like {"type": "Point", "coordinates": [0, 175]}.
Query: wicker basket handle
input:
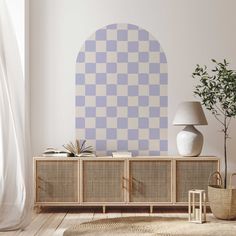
{"type": "Point", "coordinates": [230, 180]}
{"type": "Point", "coordinates": [218, 177]}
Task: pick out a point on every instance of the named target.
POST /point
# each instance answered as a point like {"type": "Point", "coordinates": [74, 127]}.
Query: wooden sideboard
{"type": "Point", "coordinates": [108, 181]}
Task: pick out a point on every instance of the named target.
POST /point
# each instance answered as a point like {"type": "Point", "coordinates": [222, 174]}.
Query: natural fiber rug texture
{"type": "Point", "coordinates": [153, 226]}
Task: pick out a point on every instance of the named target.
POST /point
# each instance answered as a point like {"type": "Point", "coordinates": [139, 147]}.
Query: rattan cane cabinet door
{"type": "Point", "coordinates": [192, 175]}
{"type": "Point", "coordinates": [56, 181]}
{"type": "Point", "coordinates": [150, 181]}
{"type": "Point", "coordinates": [103, 181]}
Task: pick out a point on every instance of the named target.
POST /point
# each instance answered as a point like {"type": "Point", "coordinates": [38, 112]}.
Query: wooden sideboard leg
{"type": "Point", "coordinates": [151, 209]}
{"type": "Point", "coordinates": [104, 209]}
{"type": "Point", "coordinates": [38, 209]}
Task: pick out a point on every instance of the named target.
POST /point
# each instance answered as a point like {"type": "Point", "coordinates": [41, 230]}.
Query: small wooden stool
{"type": "Point", "coordinates": [197, 214]}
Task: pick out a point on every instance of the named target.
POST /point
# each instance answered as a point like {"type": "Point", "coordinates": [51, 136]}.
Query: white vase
{"type": "Point", "coordinates": [189, 141]}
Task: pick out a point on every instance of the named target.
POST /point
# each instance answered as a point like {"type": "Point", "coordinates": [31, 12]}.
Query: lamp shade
{"type": "Point", "coordinates": [190, 113]}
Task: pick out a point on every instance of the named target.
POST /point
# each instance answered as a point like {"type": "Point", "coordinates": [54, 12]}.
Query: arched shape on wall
{"type": "Point", "coordinates": [121, 92]}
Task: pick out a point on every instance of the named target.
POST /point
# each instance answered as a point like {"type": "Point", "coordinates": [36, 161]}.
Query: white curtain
{"type": "Point", "coordinates": [15, 160]}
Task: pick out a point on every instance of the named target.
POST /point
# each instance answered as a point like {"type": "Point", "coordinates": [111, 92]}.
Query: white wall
{"type": "Point", "coordinates": [190, 32]}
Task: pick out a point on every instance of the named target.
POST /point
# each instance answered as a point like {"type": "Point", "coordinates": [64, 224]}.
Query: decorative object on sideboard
{"type": "Point", "coordinates": [122, 154]}
{"type": "Point", "coordinates": [190, 140]}
{"type": "Point", "coordinates": [197, 206]}
{"type": "Point", "coordinates": [78, 150]}
{"type": "Point", "coordinates": [217, 92]}
{"type": "Point", "coordinates": [222, 200]}
{"type": "Point", "coordinates": [53, 152]}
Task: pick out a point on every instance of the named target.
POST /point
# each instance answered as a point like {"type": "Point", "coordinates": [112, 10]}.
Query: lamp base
{"type": "Point", "coordinates": [189, 141]}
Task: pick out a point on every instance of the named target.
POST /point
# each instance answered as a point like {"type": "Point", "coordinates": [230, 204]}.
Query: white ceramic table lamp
{"type": "Point", "coordinates": [190, 140]}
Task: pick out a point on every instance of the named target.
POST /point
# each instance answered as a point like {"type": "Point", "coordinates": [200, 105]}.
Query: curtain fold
{"type": "Point", "coordinates": [15, 159]}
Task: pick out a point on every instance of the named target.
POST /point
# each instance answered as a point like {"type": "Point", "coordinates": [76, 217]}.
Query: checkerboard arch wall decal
{"type": "Point", "coordinates": [121, 92]}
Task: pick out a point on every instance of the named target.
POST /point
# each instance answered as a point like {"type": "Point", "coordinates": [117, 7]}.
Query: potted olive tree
{"type": "Point", "coordinates": [217, 91]}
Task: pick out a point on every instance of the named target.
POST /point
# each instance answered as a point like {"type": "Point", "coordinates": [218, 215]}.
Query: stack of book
{"type": "Point", "coordinates": [52, 152]}
{"type": "Point", "coordinates": [122, 154]}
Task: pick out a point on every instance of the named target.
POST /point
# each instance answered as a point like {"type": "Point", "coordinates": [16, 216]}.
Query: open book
{"type": "Point", "coordinates": [86, 154]}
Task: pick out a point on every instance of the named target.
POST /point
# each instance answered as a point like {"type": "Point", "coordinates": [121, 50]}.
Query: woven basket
{"type": "Point", "coordinates": [222, 201]}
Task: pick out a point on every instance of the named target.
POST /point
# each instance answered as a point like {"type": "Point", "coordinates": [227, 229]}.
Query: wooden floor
{"type": "Point", "coordinates": [56, 221]}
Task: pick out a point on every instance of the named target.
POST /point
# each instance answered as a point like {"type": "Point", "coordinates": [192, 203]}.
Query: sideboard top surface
{"type": "Point", "coordinates": [180, 158]}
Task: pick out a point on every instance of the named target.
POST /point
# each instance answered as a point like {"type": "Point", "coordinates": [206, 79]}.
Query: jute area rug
{"type": "Point", "coordinates": [153, 226]}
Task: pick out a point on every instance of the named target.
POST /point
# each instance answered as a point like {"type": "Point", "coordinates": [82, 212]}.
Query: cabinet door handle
{"type": "Point", "coordinates": [39, 178]}
{"type": "Point", "coordinates": [40, 187]}
{"type": "Point", "coordinates": [123, 183]}
{"type": "Point", "coordinates": [131, 183]}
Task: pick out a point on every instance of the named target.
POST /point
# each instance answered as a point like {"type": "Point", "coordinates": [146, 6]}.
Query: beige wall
{"type": "Point", "coordinates": [190, 32]}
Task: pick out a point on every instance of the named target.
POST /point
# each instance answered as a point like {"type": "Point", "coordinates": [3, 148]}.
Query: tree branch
{"type": "Point", "coordinates": [218, 108]}
{"type": "Point", "coordinates": [228, 123]}
{"type": "Point", "coordinates": [219, 119]}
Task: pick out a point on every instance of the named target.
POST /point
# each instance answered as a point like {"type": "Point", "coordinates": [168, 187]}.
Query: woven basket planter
{"type": "Point", "coordinates": [222, 201]}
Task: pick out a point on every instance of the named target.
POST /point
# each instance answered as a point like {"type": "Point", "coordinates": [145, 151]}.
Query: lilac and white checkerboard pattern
{"type": "Point", "coordinates": [121, 92]}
